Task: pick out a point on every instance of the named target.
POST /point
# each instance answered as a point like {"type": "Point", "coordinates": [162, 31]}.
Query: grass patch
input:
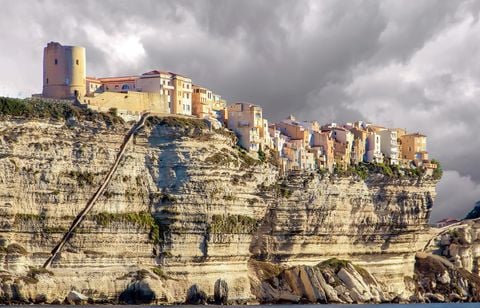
{"type": "Point", "coordinates": [232, 224]}
{"type": "Point", "coordinates": [141, 219]}
{"type": "Point", "coordinates": [333, 264]}
{"type": "Point", "coordinates": [219, 159]}
{"type": "Point", "coordinates": [16, 249]}
{"type": "Point", "coordinates": [160, 273]}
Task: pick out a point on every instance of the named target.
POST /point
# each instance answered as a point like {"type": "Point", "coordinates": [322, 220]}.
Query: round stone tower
{"type": "Point", "coordinates": [64, 71]}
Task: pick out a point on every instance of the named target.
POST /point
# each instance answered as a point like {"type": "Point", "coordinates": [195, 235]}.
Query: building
{"type": "Point", "coordinates": [343, 146]}
{"type": "Point", "coordinates": [94, 86]}
{"type": "Point", "coordinates": [359, 145]}
{"type": "Point", "coordinates": [64, 71]}
{"type": "Point", "coordinates": [414, 146]}
{"type": "Point", "coordinates": [278, 140]}
{"type": "Point", "coordinates": [373, 146]}
{"type": "Point", "coordinates": [129, 105]}
{"type": "Point", "coordinates": [182, 95]}
{"type": "Point", "coordinates": [324, 145]}
{"type": "Point", "coordinates": [246, 121]}
{"type": "Point", "coordinates": [446, 222]}
{"type": "Point", "coordinates": [202, 102]}
{"type": "Point", "coordinates": [157, 82]}
{"type": "Point", "coordinates": [389, 145]}
{"type": "Point", "coordinates": [294, 130]}
{"type": "Point", "coordinates": [119, 84]}
{"type": "Point", "coordinates": [219, 104]}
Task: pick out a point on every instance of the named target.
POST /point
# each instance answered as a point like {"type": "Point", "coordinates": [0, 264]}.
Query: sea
{"type": "Point", "coordinates": [446, 305]}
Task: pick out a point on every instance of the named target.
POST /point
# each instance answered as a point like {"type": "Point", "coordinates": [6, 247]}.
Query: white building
{"type": "Point", "coordinates": [373, 147]}
{"type": "Point", "coordinates": [389, 145]}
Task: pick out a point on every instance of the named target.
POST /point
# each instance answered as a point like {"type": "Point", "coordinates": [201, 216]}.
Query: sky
{"type": "Point", "coordinates": [408, 64]}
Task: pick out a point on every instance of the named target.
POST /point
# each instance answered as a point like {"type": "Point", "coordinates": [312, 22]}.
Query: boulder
{"type": "Point", "coordinates": [444, 278]}
{"type": "Point", "coordinates": [195, 296]}
{"type": "Point", "coordinates": [220, 293]}
{"type": "Point", "coordinates": [343, 294]}
{"type": "Point", "coordinates": [76, 298]}
{"type": "Point", "coordinates": [138, 292]}
{"type": "Point", "coordinates": [330, 292]}
{"type": "Point", "coordinates": [352, 282]}
{"type": "Point", "coordinates": [311, 287]}
{"type": "Point", "coordinates": [435, 297]}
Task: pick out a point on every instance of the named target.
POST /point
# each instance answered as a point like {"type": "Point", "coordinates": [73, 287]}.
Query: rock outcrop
{"type": "Point", "coordinates": [332, 281]}
{"type": "Point", "coordinates": [186, 208]}
{"type": "Point", "coordinates": [439, 280]}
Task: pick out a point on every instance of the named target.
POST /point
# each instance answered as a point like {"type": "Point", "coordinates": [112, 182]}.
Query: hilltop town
{"type": "Point", "coordinates": [297, 145]}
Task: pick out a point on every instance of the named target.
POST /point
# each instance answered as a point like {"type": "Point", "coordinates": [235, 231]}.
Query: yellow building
{"type": "Point", "coordinates": [182, 95]}
{"type": "Point", "coordinates": [129, 105]}
{"type": "Point", "coordinates": [246, 121]}
{"type": "Point", "coordinates": [64, 71]}
{"type": "Point", "coordinates": [219, 104]}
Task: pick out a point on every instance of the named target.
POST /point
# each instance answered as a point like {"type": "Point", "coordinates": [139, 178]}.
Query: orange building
{"type": "Point", "coordinates": [202, 102]}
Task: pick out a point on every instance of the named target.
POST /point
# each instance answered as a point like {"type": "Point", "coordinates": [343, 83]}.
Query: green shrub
{"type": "Point", "coordinates": [39, 109]}
{"type": "Point", "coordinates": [160, 273]}
{"type": "Point", "coordinates": [438, 172]}
{"type": "Point", "coordinates": [261, 156]}
{"type": "Point", "coordinates": [179, 122]}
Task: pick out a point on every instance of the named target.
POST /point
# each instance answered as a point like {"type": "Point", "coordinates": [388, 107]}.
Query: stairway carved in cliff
{"type": "Point", "coordinates": [81, 216]}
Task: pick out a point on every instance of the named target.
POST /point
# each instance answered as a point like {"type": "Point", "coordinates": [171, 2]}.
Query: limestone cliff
{"type": "Point", "coordinates": [185, 209]}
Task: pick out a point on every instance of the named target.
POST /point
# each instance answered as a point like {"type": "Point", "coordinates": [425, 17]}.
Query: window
{"type": "Point", "coordinates": [56, 61]}
{"type": "Point", "coordinates": [125, 87]}
{"type": "Point", "coordinates": [47, 80]}
{"type": "Point", "coordinates": [76, 61]}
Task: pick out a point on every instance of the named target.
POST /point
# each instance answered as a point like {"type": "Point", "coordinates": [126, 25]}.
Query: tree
{"type": "Point", "coordinates": [438, 172]}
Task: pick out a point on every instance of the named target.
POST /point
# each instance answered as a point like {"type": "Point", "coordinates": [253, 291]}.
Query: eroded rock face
{"type": "Point", "coordinates": [377, 224]}
{"type": "Point", "coordinates": [439, 280]}
{"type": "Point", "coordinates": [460, 244]}
{"type": "Point", "coordinates": [186, 207]}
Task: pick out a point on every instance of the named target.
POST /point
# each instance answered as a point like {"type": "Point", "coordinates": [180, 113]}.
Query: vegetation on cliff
{"type": "Point", "coordinates": [232, 224]}
{"type": "Point", "coordinates": [141, 219]}
{"type": "Point", "coordinates": [40, 109]}
{"type": "Point", "coordinates": [364, 170]}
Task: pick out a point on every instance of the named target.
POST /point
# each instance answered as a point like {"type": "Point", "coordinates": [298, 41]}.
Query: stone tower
{"type": "Point", "coordinates": [64, 71]}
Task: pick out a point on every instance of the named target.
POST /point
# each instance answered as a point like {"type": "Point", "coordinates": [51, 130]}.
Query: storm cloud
{"type": "Point", "coordinates": [409, 64]}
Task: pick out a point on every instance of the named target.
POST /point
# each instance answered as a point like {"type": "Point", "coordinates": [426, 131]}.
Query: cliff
{"type": "Point", "coordinates": [188, 213]}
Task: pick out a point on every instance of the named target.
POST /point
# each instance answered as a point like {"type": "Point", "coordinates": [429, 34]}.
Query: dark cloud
{"type": "Point", "coordinates": [410, 64]}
